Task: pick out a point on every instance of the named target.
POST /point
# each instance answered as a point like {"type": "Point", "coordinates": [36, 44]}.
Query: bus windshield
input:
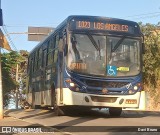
{"type": "Point", "coordinates": [103, 55]}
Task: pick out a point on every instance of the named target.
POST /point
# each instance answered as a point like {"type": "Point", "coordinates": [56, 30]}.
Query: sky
{"type": "Point", "coordinates": [18, 15]}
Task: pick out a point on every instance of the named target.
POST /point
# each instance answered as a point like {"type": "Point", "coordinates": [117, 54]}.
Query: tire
{"type": "Point", "coordinates": [57, 109]}
{"type": "Point", "coordinates": [34, 106]}
{"type": "Point", "coordinates": [115, 111]}
{"type": "Point", "coordinates": [66, 110]}
{"type": "Point", "coordinates": [38, 107]}
{"type": "Point", "coordinates": [71, 110]}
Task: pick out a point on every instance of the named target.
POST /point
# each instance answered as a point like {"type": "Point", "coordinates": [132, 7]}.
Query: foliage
{"type": "Point", "coordinates": [151, 59]}
{"type": "Point", "coordinates": [23, 69]}
{"type": "Point", "coordinates": [9, 65]}
{"type": "Point", "coordinates": [8, 82]}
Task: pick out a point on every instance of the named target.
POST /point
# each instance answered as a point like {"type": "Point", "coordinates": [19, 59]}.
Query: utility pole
{"type": "Point", "coordinates": [1, 92]}
{"type": "Point", "coordinates": [17, 87]}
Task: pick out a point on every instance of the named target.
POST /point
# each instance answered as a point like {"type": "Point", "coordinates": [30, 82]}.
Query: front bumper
{"type": "Point", "coordinates": [84, 99]}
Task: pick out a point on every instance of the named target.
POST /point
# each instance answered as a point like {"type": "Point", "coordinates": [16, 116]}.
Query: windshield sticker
{"type": "Point", "coordinates": [111, 70]}
{"type": "Point", "coordinates": [125, 69]}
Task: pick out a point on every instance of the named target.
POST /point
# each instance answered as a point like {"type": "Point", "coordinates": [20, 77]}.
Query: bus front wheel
{"type": "Point", "coordinates": [57, 109]}
{"type": "Point", "coordinates": [115, 112]}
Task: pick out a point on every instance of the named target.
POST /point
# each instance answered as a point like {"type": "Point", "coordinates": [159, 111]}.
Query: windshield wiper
{"type": "Point", "coordinates": [93, 41]}
{"type": "Point", "coordinates": [118, 44]}
{"type": "Point", "coordinates": [99, 49]}
{"type": "Point", "coordinates": [97, 46]}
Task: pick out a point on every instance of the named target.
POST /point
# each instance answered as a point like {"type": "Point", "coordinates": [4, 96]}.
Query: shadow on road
{"type": "Point", "coordinates": [87, 114]}
{"type": "Point", "coordinates": [78, 118]}
{"type": "Point", "coordinates": [7, 112]}
{"type": "Point", "coordinates": [28, 113]}
{"type": "Point", "coordinates": [139, 114]}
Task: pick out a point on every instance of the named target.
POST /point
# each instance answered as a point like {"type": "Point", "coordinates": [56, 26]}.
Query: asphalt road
{"type": "Point", "coordinates": [95, 122]}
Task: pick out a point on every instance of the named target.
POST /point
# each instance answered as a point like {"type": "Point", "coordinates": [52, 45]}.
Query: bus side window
{"type": "Point", "coordinates": [36, 60]}
{"type": "Point", "coordinates": [56, 48]}
{"type": "Point", "coordinates": [44, 61]}
{"type": "Point", "coordinates": [50, 51]}
{"type": "Point", "coordinates": [34, 64]}
{"type": "Point", "coordinates": [39, 58]}
{"type": "Point", "coordinates": [51, 44]}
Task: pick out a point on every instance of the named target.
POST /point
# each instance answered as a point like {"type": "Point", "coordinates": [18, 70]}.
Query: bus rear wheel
{"type": "Point", "coordinates": [115, 111]}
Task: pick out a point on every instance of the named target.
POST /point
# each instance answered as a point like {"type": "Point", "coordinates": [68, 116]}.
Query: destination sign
{"type": "Point", "coordinates": [104, 25]}
{"type": "Point", "coordinates": [101, 26]}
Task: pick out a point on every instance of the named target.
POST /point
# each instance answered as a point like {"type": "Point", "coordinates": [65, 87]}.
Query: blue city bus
{"type": "Point", "coordinates": [88, 62]}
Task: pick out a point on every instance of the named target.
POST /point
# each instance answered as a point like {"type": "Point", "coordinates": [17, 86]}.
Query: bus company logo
{"type": "Point", "coordinates": [6, 129]}
{"type": "Point", "coordinates": [104, 91]}
{"type": "Point", "coordinates": [84, 87]}
{"type": "Point", "coordinates": [129, 85]}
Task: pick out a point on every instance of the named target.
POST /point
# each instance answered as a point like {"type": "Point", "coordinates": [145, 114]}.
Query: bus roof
{"type": "Point", "coordinates": [103, 24]}
{"type": "Point", "coordinates": [97, 17]}
{"type": "Point", "coordinates": [108, 23]}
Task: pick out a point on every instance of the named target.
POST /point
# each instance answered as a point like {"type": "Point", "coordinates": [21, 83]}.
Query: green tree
{"type": "Point", "coordinates": [23, 72]}
{"type": "Point", "coordinates": [9, 65]}
{"type": "Point", "coordinates": [151, 60]}
{"type": "Point", "coordinates": [8, 74]}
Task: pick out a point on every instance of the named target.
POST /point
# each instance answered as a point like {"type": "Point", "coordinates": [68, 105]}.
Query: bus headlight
{"type": "Point", "coordinates": [72, 85]}
{"type": "Point", "coordinates": [77, 89]}
{"type": "Point", "coordinates": [130, 91]}
{"type": "Point", "coordinates": [135, 87]}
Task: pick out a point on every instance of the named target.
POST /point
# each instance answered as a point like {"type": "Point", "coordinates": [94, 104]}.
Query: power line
{"type": "Point", "coordinates": [143, 14]}
{"type": "Point", "coordinates": [28, 33]}
{"type": "Point", "coordinates": [23, 25]}
{"type": "Point", "coordinates": [16, 25]}
{"type": "Point", "coordinates": [138, 16]}
{"type": "Point", "coordinates": [8, 37]}
{"type": "Point", "coordinates": [147, 17]}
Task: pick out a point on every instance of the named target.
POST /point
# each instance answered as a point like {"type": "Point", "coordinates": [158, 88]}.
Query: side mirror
{"type": "Point", "coordinates": [65, 49]}
{"type": "Point", "coordinates": [60, 35]}
{"type": "Point", "coordinates": [60, 46]}
{"type": "Point", "coordinates": [63, 43]}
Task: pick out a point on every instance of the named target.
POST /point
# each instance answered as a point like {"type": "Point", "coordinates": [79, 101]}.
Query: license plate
{"type": "Point", "coordinates": [131, 101]}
